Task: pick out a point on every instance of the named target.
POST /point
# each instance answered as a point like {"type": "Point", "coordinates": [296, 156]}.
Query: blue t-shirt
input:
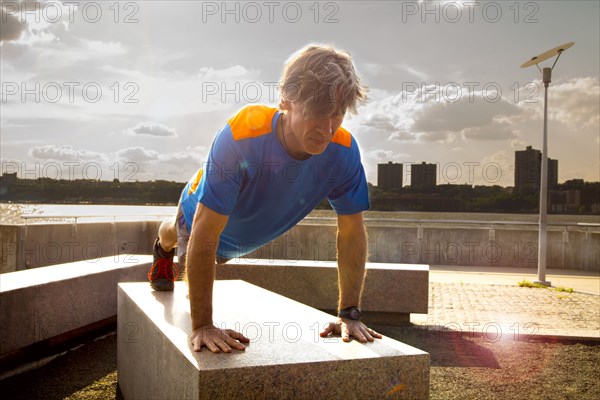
{"type": "Point", "coordinates": [265, 192]}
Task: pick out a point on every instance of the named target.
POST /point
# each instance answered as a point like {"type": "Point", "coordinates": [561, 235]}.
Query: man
{"type": "Point", "coordinates": [266, 170]}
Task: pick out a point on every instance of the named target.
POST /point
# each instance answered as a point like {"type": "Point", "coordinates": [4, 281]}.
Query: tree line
{"type": "Point", "coordinates": [448, 198]}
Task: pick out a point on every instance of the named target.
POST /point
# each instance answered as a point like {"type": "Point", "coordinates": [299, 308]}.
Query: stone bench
{"type": "Point", "coordinates": [44, 305]}
{"type": "Point", "coordinates": [286, 357]}
{"type": "Point", "coordinates": [391, 291]}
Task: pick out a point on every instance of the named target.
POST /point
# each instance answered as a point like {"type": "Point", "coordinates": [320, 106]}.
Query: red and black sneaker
{"type": "Point", "coordinates": [164, 271]}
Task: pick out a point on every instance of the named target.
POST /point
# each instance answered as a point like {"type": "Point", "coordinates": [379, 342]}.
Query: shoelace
{"type": "Point", "coordinates": [165, 269]}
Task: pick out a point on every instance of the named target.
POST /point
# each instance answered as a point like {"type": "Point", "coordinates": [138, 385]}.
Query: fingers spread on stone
{"type": "Point", "coordinates": [223, 346]}
{"type": "Point", "coordinates": [329, 329]}
{"type": "Point", "coordinates": [212, 347]}
{"type": "Point", "coordinates": [345, 333]}
{"type": "Point", "coordinates": [238, 336]}
{"type": "Point", "coordinates": [375, 334]}
{"type": "Point", "coordinates": [367, 335]}
{"type": "Point", "coordinates": [235, 344]}
{"type": "Point", "coordinates": [362, 338]}
{"type": "Point", "coordinates": [196, 344]}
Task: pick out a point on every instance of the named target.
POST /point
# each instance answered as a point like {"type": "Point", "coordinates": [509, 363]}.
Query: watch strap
{"type": "Point", "coordinates": [352, 313]}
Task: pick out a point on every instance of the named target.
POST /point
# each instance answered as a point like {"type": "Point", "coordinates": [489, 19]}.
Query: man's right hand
{"type": "Point", "coordinates": [217, 340]}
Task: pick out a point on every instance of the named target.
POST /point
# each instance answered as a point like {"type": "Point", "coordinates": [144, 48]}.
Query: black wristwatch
{"type": "Point", "coordinates": [352, 313]}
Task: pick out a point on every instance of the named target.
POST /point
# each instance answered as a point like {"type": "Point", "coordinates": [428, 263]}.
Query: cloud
{"type": "Point", "coordinates": [467, 118]}
{"type": "Point", "coordinates": [576, 102]}
{"type": "Point", "coordinates": [386, 117]}
{"type": "Point", "coordinates": [518, 144]}
{"type": "Point", "coordinates": [496, 169]}
{"type": "Point", "coordinates": [65, 153]}
{"type": "Point", "coordinates": [381, 155]}
{"type": "Point", "coordinates": [12, 27]}
{"type": "Point", "coordinates": [411, 117]}
{"type": "Point", "coordinates": [99, 49]}
{"type": "Point", "coordinates": [191, 156]}
{"type": "Point", "coordinates": [380, 122]}
{"type": "Point", "coordinates": [137, 154]}
{"type": "Point", "coordinates": [445, 137]}
{"type": "Point", "coordinates": [413, 71]}
{"type": "Point", "coordinates": [31, 22]}
{"type": "Point", "coordinates": [152, 129]}
{"type": "Point", "coordinates": [402, 136]}
{"type": "Point", "coordinates": [454, 117]}
{"type": "Point", "coordinates": [494, 131]}
{"type": "Point", "coordinates": [371, 68]}
{"type": "Point", "coordinates": [211, 74]}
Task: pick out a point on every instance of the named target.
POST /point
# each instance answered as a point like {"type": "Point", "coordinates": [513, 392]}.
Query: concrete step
{"type": "Point", "coordinates": [286, 358]}
{"type": "Point", "coordinates": [391, 291]}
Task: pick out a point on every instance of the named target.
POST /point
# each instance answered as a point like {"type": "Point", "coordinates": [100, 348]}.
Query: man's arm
{"type": "Point", "coordinates": [201, 255]}
{"type": "Point", "coordinates": [352, 256]}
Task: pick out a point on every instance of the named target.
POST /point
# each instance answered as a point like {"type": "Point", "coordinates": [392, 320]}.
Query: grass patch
{"type": "Point", "coordinates": [526, 283]}
{"type": "Point", "coordinates": [564, 289]}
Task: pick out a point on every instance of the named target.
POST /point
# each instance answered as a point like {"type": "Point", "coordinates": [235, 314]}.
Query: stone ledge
{"type": "Point", "coordinates": [48, 302]}
{"type": "Point", "coordinates": [391, 291]}
{"type": "Point", "coordinates": [286, 358]}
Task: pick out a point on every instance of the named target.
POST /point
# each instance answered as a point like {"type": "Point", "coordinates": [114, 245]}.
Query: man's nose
{"type": "Point", "coordinates": [325, 127]}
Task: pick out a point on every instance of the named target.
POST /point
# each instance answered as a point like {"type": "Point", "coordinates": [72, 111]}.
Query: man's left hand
{"type": "Point", "coordinates": [349, 327]}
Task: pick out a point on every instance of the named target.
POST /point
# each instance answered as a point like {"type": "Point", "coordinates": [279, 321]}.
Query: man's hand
{"type": "Point", "coordinates": [217, 340]}
{"type": "Point", "coordinates": [348, 327]}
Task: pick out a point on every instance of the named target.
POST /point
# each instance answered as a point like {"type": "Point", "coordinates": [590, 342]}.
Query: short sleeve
{"type": "Point", "coordinates": [220, 185]}
{"type": "Point", "coordinates": [351, 194]}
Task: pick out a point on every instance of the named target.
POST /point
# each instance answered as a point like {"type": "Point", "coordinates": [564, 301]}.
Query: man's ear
{"type": "Point", "coordinates": [285, 105]}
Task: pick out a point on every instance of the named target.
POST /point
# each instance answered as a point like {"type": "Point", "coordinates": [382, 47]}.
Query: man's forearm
{"type": "Point", "coordinates": [201, 256]}
{"type": "Point", "coordinates": [352, 256]}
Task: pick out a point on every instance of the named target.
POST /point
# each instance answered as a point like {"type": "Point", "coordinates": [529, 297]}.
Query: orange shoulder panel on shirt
{"type": "Point", "coordinates": [252, 121]}
{"type": "Point", "coordinates": [195, 182]}
{"type": "Point", "coordinates": [343, 137]}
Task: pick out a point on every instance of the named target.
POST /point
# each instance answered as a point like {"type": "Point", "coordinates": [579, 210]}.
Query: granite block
{"type": "Point", "coordinates": [286, 358]}
{"type": "Point", "coordinates": [42, 303]}
{"type": "Point", "coordinates": [389, 289]}
{"type": "Point", "coordinates": [17, 319]}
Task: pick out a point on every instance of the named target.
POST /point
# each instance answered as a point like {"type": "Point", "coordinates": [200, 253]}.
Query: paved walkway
{"type": "Point", "coordinates": [489, 302]}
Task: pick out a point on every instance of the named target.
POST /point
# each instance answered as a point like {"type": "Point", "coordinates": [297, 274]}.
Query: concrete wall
{"type": "Point", "coordinates": [39, 245]}
{"type": "Point", "coordinates": [569, 247]}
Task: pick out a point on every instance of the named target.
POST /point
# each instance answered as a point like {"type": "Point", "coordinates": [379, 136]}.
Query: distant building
{"type": "Point", "coordinates": [8, 178]}
{"type": "Point", "coordinates": [389, 176]}
{"type": "Point", "coordinates": [423, 175]}
{"type": "Point", "coordinates": [564, 201]}
{"type": "Point", "coordinates": [574, 183]}
{"type": "Point", "coordinates": [528, 170]}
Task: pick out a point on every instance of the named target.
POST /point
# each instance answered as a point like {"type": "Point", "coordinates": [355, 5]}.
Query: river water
{"type": "Point", "coordinates": [52, 213]}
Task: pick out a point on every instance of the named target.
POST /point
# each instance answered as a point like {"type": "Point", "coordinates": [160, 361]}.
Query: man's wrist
{"type": "Point", "coordinates": [352, 313]}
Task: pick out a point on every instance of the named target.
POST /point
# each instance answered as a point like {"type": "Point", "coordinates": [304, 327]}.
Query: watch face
{"type": "Point", "coordinates": [351, 313]}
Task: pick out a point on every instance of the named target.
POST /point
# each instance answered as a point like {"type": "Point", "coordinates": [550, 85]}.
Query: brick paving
{"type": "Point", "coordinates": [502, 310]}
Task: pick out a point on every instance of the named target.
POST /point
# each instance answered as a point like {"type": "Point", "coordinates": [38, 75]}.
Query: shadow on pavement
{"type": "Point", "coordinates": [446, 348]}
{"type": "Point", "coordinates": [66, 374]}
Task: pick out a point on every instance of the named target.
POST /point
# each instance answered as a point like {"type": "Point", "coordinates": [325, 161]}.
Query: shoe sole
{"type": "Point", "coordinates": [162, 285]}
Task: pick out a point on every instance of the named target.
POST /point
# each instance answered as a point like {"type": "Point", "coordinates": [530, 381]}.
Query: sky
{"type": "Point", "coordinates": [136, 90]}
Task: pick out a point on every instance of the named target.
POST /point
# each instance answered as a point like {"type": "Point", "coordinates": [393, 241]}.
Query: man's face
{"type": "Point", "coordinates": [313, 133]}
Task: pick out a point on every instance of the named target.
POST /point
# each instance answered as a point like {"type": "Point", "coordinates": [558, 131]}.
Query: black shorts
{"type": "Point", "coordinates": [183, 238]}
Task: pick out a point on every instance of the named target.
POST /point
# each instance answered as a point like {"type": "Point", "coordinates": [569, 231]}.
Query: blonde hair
{"type": "Point", "coordinates": [323, 80]}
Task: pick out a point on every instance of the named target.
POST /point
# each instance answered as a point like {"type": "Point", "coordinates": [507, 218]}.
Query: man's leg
{"type": "Point", "coordinates": [164, 272]}
{"type": "Point", "coordinates": [167, 235]}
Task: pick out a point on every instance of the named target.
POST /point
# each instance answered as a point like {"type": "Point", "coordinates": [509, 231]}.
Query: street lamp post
{"type": "Point", "coordinates": [546, 78]}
